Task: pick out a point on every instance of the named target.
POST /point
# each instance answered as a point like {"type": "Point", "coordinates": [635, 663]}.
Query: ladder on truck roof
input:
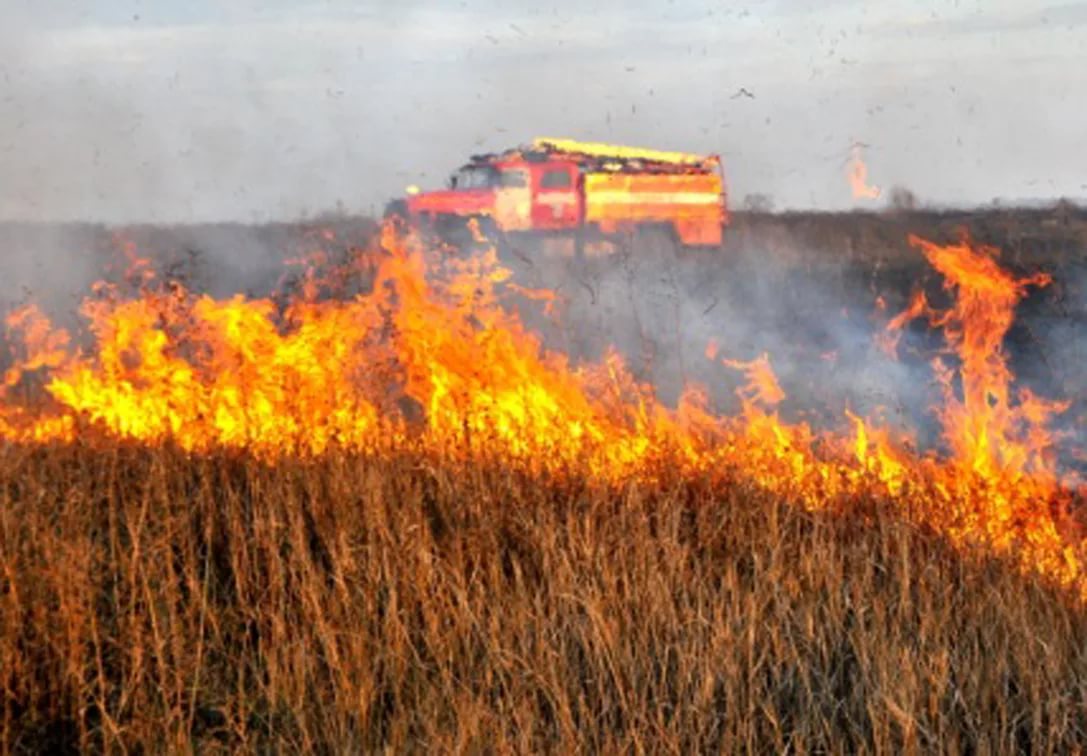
{"type": "Point", "coordinates": [618, 152]}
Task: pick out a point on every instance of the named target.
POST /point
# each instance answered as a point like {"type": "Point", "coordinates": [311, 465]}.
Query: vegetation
{"type": "Point", "coordinates": [151, 600]}
{"type": "Point", "coordinates": [429, 589]}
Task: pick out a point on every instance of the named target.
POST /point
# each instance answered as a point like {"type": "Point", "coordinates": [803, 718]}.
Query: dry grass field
{"type": "Point", "coordinates": [154, 601]}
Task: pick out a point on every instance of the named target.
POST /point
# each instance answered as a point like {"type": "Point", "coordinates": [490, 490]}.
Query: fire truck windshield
{"type": "Point", "coordinates": [474, 177]}
{"type": "Point", "coordinates": [487, 177]}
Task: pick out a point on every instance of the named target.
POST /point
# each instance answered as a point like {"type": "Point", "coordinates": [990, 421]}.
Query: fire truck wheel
{"type": "Point", "coordinates": [396, 209]}
{"type": "Point", "coordinates": [455, 232]}
{"type": "Point", "coordinates": [488, 235]}
{"type": "Point", "coordinates": [656, 244]}
{"type": "Point", "coordinates": [579, 245]}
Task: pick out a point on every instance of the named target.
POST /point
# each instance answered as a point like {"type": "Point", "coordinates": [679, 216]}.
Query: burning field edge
{"type": "Point", "coordinates": [395, 518]}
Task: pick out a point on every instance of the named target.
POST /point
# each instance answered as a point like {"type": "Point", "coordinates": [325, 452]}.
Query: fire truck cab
{"type": "Point", "coordinates": [562, 186]}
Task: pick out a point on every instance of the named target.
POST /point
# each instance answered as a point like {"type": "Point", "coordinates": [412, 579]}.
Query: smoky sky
{"type": "Point", "coordinates": [125, 111]}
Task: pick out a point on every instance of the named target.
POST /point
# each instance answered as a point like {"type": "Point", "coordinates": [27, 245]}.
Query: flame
{"type": "Point", "coordinates": [712, 348]}
{"type": "Point", "coordinates": [889, 338]}
{"type": "Point", "coordinates": [433, 356]}
{"type": "Point", "coordinates": [987, 430]}
{"type": "Point", "coordinates": [762, 386]}
{"type": "Point", "coordinates": [858, 176]}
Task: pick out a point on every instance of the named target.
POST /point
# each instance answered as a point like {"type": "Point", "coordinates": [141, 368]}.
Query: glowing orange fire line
{"type": "Point", "coordinates": [432, 356]}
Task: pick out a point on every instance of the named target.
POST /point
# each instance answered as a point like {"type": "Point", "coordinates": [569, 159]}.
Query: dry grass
{"type": "Point", "coordinates": [149, 601]}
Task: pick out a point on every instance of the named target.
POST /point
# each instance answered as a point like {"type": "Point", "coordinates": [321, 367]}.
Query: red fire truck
{"type": "Point", "coordinates": [582, 189]}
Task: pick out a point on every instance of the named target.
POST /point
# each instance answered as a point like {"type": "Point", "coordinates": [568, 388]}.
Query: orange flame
{"type": "Point", "coordinates": [988, 431]}
{"type": "Point", "coordinates": [858, 176]}
{"type": "Point", "coordinates": [762, 386]}
{"type": "Point", "coordinates": [889, 338]}
{"type": "Point", "coordinates": [433, 357]}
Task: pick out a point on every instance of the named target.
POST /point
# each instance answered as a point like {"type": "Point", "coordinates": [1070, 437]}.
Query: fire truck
{"type": "Point", "coordinates": [584, 190]}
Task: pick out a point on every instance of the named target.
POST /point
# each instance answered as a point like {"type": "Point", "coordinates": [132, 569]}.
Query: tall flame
{"type": "Point", "coordinates": [987, 429]}
{"type": "Point", "coordinates": [858, 176]}
{"type": "Point", "coordinates": [433, 357]}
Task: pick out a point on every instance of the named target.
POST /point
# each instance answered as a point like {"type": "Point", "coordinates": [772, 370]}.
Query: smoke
{"type": "Point", "coordinates": [802, 294]}
{"type": "Point", "coordinates": [661, 308]}
{"type": "Point", "coordinates": [56, 265]}
{"type": "Point", "coordinates": [1052, 338]}
{"type": "Point", "coordinates": [815, 301]}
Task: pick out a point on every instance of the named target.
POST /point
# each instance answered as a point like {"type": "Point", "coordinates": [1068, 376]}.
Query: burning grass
{"type": "Point", "coordinates": [157, 600]}
{"type": "Point", "coordinates": [392, 517]}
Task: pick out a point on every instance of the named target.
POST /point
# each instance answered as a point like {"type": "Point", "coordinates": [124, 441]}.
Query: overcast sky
{"type": "Point", "coordinates": [235, 109]}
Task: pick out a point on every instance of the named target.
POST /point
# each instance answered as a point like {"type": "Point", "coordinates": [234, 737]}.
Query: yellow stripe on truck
{"type": "Point", "coordinates": [653, 198]}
